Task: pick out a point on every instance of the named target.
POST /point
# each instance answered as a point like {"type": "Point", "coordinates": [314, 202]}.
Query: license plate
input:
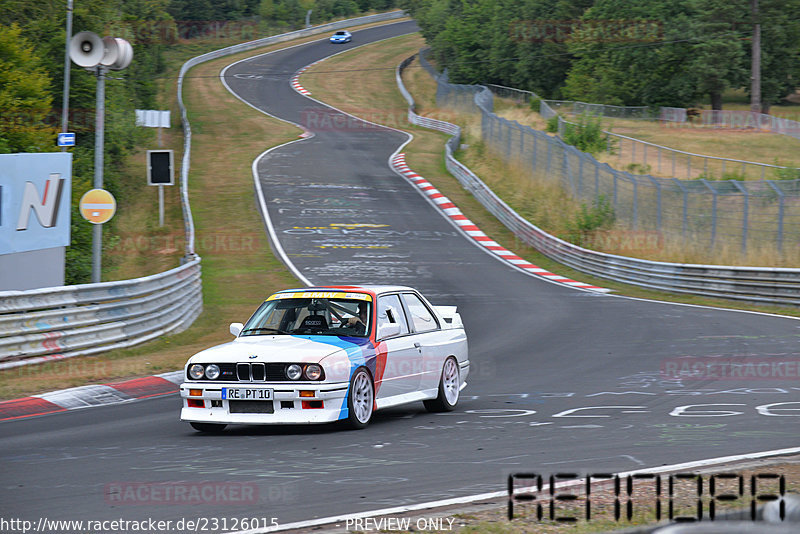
{"type": "Point", "coordinates": [246, 394]}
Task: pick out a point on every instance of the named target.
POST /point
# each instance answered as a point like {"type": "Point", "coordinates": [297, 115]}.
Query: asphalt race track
{"type": "Point", "coordinates": [562, 379]}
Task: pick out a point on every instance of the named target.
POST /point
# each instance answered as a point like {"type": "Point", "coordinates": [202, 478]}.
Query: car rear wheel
{"type": "Point", "coordinates": [449, 388]}
{"type": "Point", "coordinates": [360, 399]}
{"type": "Point", "coordinates": [211, 428]}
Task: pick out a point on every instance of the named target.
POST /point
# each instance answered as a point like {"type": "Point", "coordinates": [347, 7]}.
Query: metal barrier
{"type": "Point", "coordinates": [49, 324]}
{"type": "Point", "coordinates": [752, 284]}
{"type": "Point", "coordinates": [53, 323]}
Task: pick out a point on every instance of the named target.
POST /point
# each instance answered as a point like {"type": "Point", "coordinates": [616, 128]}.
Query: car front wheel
{"type": "Point", "coordinates": [449, 388]}
{"type": "Point", "coordinates": [360, 399]}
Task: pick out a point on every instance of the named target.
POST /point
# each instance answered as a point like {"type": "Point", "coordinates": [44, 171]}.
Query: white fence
{"type": "Point", "coordinates": [753, 284]}
{"type": "Point", "coordinates": [54, 323]}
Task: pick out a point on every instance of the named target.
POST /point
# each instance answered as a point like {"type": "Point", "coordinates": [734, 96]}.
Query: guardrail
{"type": "Point", "coordinates": [752, 284]}
{"type": "Point", "coordinates": [54, 323]}
{"type": "Point", "coordinates": [49, 324]}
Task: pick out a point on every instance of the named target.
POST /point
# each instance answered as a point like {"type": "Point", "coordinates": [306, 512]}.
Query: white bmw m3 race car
{"type": "Point", "coordinates": [324, 354]}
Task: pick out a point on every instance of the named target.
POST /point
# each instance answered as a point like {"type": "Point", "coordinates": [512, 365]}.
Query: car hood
{"type": "Point", "coordinates": [300, 349]}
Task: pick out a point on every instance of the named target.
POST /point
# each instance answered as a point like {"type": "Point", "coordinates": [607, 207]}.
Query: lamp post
{"type": "Point", "coordinates": [65, 101]}
{"type": "Point", "coordinates": [99, 55]}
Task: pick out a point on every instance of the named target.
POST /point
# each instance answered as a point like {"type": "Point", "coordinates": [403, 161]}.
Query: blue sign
{"type": "Point", "coordinates": [35, 200]}
{"type": "Point", "coordinates": [66, 139]}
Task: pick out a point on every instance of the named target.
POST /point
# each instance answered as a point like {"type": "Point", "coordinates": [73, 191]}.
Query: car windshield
{"type": "Point", "coordinates": [345, 315]}
{"type": "Point", "coordinates": [340, 33]}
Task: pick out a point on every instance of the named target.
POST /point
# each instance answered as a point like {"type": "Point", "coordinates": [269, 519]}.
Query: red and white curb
{"type": "Point", "coordinates": [295, 81]}
{"type": "Point", "coordinates": [95, 395]}
{"type": "Point", "coordinates": [469, 228]}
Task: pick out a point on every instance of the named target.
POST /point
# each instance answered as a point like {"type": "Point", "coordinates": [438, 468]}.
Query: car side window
{"type": "Point", "coordinates": [391, 311]}
{"type": "Point", "coordinates": [421, 317]}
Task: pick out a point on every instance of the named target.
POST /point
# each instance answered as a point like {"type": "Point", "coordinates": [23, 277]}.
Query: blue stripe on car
{"type": "Point", "coordinates": [360, 351]}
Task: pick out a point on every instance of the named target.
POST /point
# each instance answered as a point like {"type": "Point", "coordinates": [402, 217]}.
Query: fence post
{"type": "Point", "coordinates": [713, 212]}
{"type": "Point", "coordinates": [508, 142]}
{"type": "Point", "coordinates": [549, 148]}
{"type": "Point", "coordinates": [673, 163]}
{"type": "Point", "coordinates": [688, 167]}
{"type": "Point", "coordinates": [685, 216]}
{"type": "Point", "coordinates": [614, 173]}
{"type": "Point", "coordinates": [565, 170]}
{"type": "Point", "coordinates": [780, 214]}
{"type": "Point", "coordinates": [659, 160]}
{"type": "Point", "coordinates": [535, 147]}
{"type": "Point", "coordinates": [596, 180]}
{"type": "Point", "coordinates": [658, 201]}
{"type": "Point", "coordinates": [580, 173]}
{"type": "Point", "coordinates": [635, 200]}
{"type": "Point", "coordinates": [744, 214]}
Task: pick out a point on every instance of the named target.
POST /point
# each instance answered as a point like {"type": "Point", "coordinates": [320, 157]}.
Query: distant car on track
{"type": "Point", "coordinates": [324, 354]}
{"type": "Point", "coordinates": [342, 36]}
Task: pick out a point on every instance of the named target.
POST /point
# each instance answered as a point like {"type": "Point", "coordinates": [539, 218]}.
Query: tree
{"type": "Point", "coordinates": [632, 53]}
{"type": "Point", "coordinates": [24, 95]}
{"type": "Point", "coordinates": [719, 52]}
{"type": "Point", "coordinates": [780, 50]}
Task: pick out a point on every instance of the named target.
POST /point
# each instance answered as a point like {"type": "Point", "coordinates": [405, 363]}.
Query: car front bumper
{"type": "Point", "coordinates": [203, 403]}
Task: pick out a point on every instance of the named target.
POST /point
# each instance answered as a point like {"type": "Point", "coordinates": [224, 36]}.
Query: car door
{"type": "Point", "coordinates": [402, 371]}
{"type": "Point", "coordinates": [427, 337]}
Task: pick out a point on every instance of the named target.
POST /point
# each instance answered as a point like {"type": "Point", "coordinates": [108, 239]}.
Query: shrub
{"type": "Point", "coordinates": [638, 168]}
{"type": "Point", "coordinates": [600, 216]}
{"type": "Point", "coordinates": [587, 135]}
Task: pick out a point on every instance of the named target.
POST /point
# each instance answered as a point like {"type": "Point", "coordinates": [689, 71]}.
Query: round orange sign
{"type": "Point", "coordinates": [98, 206]}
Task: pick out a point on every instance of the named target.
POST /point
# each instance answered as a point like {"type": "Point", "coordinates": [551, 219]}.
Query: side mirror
{"type": "Point", "coordinates": [388, 330]}
{"type": "Point", "coordinates": [236, 329]}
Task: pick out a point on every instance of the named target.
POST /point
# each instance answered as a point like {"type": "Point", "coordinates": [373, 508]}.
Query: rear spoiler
{"type": "Point", "coordinates": [451, 317]}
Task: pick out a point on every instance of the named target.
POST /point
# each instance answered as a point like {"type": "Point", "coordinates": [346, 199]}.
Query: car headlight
{"type": "Point", "coordinates": [313, 371]}
{"type": "Point", "coordinates": [212, 371]}
{"type": "Point", "coordinates": [196, 371]}
{"type": "Point", "coordinates": [294, 372]}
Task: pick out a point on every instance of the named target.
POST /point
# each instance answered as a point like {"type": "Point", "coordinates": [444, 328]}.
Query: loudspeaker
{"type": "Point", "coordinates": [86, 49]}
{"type": "Point", "coordinates": [118, 54]}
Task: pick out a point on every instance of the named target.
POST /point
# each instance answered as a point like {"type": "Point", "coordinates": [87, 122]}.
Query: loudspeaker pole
{"type": "Point", "coordinates": [99, 129]}
{"type": "Point", "coordinates": [65, 104]}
